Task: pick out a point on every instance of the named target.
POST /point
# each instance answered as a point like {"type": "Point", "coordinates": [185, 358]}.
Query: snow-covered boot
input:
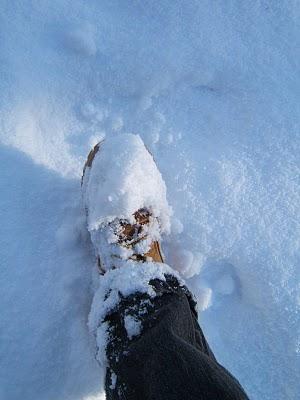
{"type": "Point", "coordinates": [125, 201]}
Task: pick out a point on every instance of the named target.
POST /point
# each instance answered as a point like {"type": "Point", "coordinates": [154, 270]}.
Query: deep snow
{"type": "Point", "coordinates": [212, 87]}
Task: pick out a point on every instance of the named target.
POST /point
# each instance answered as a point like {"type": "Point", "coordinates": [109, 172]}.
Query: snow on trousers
{"type": "Point", "coordinates": [170, 358]}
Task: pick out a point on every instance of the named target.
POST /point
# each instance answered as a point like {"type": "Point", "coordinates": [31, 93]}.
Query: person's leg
{"type": "Point", "coordinates": [169, 358]}
{"type": "Point", "coordinates": [143, 316]}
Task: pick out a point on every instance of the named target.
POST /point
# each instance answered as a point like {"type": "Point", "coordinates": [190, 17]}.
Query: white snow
{"type": "Point", "coordinates": [132, 325]}
{"type": "Point", "coordinates": [124, 179]}
{"type": "Point", "coordinates": [212, 88]}
{"type": "Point", "coordinates": [114, 380]}
{"type": "Point", "coordinates": [81, 40]}
{"type": "Point", "coordinates": [204, 297]}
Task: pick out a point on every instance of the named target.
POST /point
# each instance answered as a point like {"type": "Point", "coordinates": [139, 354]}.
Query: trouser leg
{"type": "Point", "coordinates": [162, 352]}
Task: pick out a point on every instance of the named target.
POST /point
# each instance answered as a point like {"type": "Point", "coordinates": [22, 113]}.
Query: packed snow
{"type": "Point", "coordinates": [212, 89]}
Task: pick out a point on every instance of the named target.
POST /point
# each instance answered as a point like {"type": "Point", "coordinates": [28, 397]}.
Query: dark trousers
{"type": "Point", "coordinates": [169, 359]}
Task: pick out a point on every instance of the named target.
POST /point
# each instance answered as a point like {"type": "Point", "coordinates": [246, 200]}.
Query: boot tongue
{"type": "Point", "coordinates": [128, 232]}
{"type": "Point", "coordinates": [130, 235]}
{"type": "Point", "coordinates": [142, 216]}
{"type": "Point", "coordinates": [133, 233]}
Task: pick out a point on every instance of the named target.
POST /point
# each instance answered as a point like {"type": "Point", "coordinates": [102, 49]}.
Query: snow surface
{"type": "Point", "coordinates": [213, 90]}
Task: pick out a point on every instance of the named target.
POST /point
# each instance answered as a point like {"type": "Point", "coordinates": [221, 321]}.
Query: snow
{"type": "Point", "coordinates": [133, 326]}
{"type": "Point", "coordinates": [212, 88]}
{"type": "Point", "coordinates": [124, 179]}
{"type": "Point", "coordinates": [81, 40]}
{"type": "Point", "coordinates": [113, 380]}
{"type": "Point", "coordinates": [225, 285]}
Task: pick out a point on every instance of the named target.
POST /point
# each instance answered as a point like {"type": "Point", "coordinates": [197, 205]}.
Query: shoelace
{"type": "Point", "coordinates": [120, 240]}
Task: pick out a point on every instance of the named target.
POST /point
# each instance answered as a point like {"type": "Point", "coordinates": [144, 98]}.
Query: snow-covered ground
{"type": "Point", "coordinates": [212, 87]}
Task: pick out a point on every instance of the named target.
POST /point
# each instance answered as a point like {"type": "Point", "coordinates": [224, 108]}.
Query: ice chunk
{"type": "Point", "coordinates": [186, 263]}
{"type": "Point", "coordinates": [204, 298]}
